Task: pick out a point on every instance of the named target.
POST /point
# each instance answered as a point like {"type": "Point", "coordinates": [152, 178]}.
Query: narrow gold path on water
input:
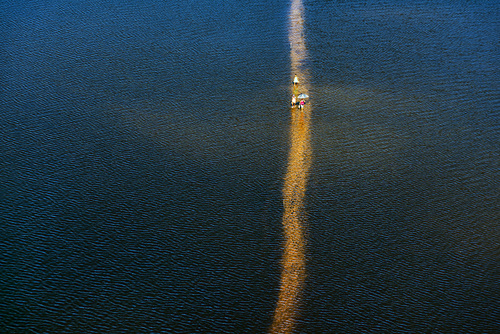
{"type": "Point", "coordinates": [294, 189]}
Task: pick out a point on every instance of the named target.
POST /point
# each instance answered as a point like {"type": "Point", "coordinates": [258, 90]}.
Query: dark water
{"type": "Point", "coordinates": [144, 145]}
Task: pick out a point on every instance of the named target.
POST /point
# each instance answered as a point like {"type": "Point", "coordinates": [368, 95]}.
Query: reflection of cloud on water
{"type": "Point", "coordinates": [418, 13]}
{"type": "Point", "coordinates": [376, 129]}
{"type": "Point", "coordinates": [365, 128]}
{"type": "Point", "coordinates": [355, 98]}
{"type": "Point", "coordinates": [231, 138]}
{"type": "Point", "coordinates": [422, 14]}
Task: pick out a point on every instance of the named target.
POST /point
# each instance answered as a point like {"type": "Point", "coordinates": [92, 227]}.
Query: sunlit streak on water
{"type": "Point", "coordinates": [294, 189]}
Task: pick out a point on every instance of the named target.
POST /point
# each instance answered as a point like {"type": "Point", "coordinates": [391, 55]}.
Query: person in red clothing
{"type": "Point", "coordinates": [302, 103]}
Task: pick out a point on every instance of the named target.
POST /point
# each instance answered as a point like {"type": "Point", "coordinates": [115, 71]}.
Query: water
{"type": "Point", "coordinates": [293, 264]}
{"type": "Point", "coordinates": [145, 148]}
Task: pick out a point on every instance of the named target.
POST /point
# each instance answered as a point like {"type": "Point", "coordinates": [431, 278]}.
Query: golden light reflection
{"type": "Point", "coordinates": [294, 189]}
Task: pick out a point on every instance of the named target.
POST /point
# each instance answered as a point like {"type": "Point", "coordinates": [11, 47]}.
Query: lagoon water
{"type": "Point", "coordinates": [146, 149]}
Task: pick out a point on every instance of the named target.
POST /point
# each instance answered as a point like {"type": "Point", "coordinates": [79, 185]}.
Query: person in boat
{"type": "Point", "coordinates": [294, 101]}
{"type": "Point", "coordinates": [295, 80]}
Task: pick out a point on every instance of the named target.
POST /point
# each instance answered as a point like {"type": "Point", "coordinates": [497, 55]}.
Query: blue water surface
{"type": "Point", "coordinates": [143, 147]}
